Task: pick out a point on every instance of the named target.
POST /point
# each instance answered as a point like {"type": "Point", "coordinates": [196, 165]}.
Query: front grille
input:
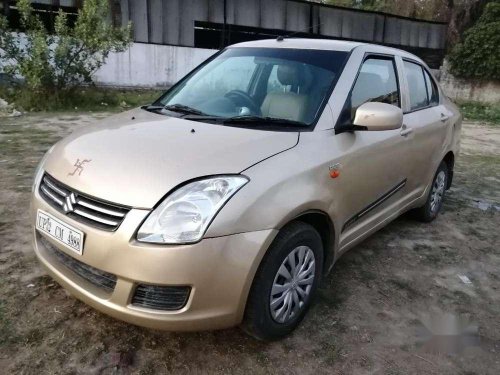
{"type": "Point", "coordinates": [101, 279]}
{"type": "Point", "coordinates": [81, 207]}
{"type": "Point", "coordinates": [161, 297]}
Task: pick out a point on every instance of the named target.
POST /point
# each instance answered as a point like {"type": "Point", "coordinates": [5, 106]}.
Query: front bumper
{"type": "Point", "coordinates": [219, 271]}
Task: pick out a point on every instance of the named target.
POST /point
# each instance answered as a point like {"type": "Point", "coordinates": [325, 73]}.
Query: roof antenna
{"type": "Point", "coordinates": [280, 38]}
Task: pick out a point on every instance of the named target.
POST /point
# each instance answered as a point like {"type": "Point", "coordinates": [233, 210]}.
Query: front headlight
{"type": "Point", "coordinates": [184, 216]}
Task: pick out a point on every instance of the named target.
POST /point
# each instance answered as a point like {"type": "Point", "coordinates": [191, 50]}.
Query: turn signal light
{"type": "Point", "coordinates": [334, 173]}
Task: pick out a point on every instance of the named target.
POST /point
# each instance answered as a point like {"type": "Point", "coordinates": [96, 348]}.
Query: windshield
{"type": "Point", "coordinates": [258, 86]}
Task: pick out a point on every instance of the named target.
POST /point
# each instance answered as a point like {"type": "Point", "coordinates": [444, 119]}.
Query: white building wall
{"type": "Point", "coordinates": [150, 65]}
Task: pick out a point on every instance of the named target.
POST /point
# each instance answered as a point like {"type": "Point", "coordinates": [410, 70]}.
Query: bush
{"type": "Point", "coordinates": [54, 64]}
{"type": "Point", "coordinates": [475, 111]}
{"type": "Point", "coordinates": [478, 55]}
{"type": "Point", "coordinates": [85, 98]}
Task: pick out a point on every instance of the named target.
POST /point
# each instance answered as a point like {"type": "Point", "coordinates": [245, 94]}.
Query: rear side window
{"type": "Point", "coordinates": [432, 91]}
{"type": "Point", "coordinates": [376, 82]}
{"type": "Point", "coordinates": [416, 85]}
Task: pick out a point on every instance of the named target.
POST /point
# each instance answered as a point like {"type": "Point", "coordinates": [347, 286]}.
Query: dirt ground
{"type": "Point", "coordinates": [393, 305]}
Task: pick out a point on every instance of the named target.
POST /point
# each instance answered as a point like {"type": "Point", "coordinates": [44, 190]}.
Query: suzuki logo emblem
{"type": "Point", "coordinates": [69, 201]}
{"type": "Point", "coordinates": [79, 166]}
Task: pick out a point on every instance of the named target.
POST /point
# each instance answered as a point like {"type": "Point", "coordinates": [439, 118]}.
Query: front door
{"type": "Point", "coordinates": [373, 163]}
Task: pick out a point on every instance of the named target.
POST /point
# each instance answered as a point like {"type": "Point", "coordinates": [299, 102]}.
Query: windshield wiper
{"type": "Point", "coordinates": [180, 108]}
{"type": "Point", "coordinates": [204, 117]}
{"type": "Point", "coordinates": [263, 120]}
{"type": "Point", "coordinates": [152, 107]}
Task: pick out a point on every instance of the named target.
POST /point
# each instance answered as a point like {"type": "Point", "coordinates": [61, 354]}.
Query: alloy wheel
{"type": "Point", "coordinates": [438, 188]}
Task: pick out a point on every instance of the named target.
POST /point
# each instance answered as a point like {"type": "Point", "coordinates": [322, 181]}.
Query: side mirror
{"type": "Point", "coordinates": [374, 116]}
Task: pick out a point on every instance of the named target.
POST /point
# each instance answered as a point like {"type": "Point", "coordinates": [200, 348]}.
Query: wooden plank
{"type": "Point", "coordinates": [297, 16]}
{"type": "Point", "coordinates": [155, 21]}
{"type": "Point", "coordinates": [215, 11]}
{"type": "Point", "coordinates": [436, 39]}
{"type": "Point", "coordinates": [246, 13]}
{"type": "Point", "coordinates": [414, 31]}
{"type": "Point", "coordinates": [378, 29]}
{"type": "Point", "coordinates": [365, 27]}
{"type": "Point", "coordinates": [171, 22]}
{"type": "Point", "coordinates": [187, 17]}
{"type": "Point", "coordinates": [199, 10]}
{"type": "Point", "coordinates": [330, 22]}
{"type": "Point", "coordinates": [423, 33]}
{"type": "Point", "coordinates": [138, 11]}
{"type": "Point", "coordinates": [272, 14]}
{"type": "Point", "coordinates": [405, 33]}
{"type": "Point", "coordinates": [125, 12]}
{"type": "Point", "coordinates": [392, 31]}
{"type": "Point", "coordinates": [347, 25]}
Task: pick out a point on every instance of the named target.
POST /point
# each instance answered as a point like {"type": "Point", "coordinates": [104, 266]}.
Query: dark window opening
{"type": "Point", "coordinates": [217, 35]}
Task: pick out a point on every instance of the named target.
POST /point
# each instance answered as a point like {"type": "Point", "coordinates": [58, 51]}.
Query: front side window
{"type": "Point", "coordinates": [256, 85]}
{"type": "Point", "coordinates": [416, 85]}
{"type": "Point", "coordinates": [376, 82]}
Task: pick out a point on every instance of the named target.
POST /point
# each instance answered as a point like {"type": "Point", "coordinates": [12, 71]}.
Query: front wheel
{"type": "Point", "coordinates": [285, 283]}
{"type": "Point", "coordinates": [430, 210]}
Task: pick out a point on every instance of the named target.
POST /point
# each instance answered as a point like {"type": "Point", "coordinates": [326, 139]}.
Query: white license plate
{"type": "Point", "coordinates": [63, 233]}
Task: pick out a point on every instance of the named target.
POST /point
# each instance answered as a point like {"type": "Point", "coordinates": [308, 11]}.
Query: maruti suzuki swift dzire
{"type": "Point", "coordinates": [227, 200]}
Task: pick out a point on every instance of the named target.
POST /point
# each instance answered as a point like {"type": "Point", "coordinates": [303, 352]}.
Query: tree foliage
{"type": "Point", "coordinates": [56, 62]}
{"type": "Point", "coordinates": [478, 55]}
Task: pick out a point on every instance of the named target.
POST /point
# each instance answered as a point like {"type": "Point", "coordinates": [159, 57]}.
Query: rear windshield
{"type": "Point", "coordinates": [268, 83]}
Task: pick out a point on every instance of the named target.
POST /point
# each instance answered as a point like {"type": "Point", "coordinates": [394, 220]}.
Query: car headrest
{"type": "Point", "coordinates": [366, 79]}
{"type": "Point", "coordinates": [295, 75]}
{"type": "Point", "coordinates": [288, 74]}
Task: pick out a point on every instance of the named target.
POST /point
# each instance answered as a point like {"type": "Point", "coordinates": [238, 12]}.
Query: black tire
{"type": "Point", "coordinates": [428, 212]}
{"type": "Point", "coordinates": [258, 320]}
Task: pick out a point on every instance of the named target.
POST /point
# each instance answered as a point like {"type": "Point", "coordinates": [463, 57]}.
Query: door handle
{"type": "Point", "coordinates": [444, 118]}
{"type": "Point", "coordinates": [405, 131]}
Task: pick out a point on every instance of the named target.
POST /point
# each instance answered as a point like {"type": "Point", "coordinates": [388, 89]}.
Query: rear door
{"type": "Point", "coordinates": [426, 120]}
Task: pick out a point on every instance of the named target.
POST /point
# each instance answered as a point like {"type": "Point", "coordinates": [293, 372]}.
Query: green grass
{"type": "Point", "coordinates": [475, 111]}
{"type": "Point", "coordinates": [93, 99]}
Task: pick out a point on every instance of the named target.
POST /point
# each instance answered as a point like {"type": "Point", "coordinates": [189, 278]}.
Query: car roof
{"type": "Point", "coordinates": [325, 44]}
{"type": "Point", "coordinates": [301, 43]}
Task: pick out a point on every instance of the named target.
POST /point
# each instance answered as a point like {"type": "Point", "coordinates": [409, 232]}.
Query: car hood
{"type": "Point", "coordinates": [136, 157]}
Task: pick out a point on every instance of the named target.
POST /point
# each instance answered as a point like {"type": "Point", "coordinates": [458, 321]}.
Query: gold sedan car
{"type": "Point", "coordinates": [226, 201]}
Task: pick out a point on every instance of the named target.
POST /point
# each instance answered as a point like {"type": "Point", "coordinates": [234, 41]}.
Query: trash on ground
{"type": "Point", "coordinates": [465, 279]}
{"type": "Point", "coordinates": [485, 206]}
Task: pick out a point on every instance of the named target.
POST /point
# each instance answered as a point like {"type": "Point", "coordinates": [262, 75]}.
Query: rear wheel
{"type": "Point", "coordinates": [430, 210]}
{"type": "Point", "coordinates": [285, 283]}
